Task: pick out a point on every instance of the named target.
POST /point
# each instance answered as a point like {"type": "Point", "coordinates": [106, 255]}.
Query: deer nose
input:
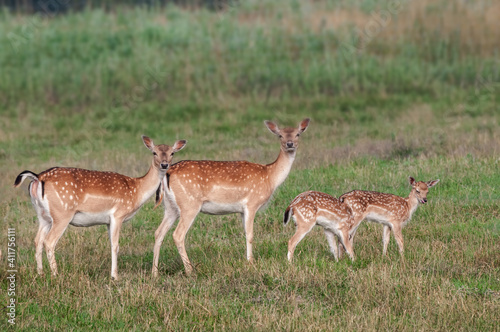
{"type": "Point", "coordinates": [289, 144]}
{"type": "Point", "coordinates": [164, 165]}
{"type": "Point", "coordinates": [425, 200]}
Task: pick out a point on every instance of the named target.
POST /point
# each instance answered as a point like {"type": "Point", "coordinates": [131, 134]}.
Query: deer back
{"type": "Point", "coordinates": [320, 204]}
{"type": "Point", "coordinates": [364, 202]}
{"type": "Point", "coordinates": [74, 188]}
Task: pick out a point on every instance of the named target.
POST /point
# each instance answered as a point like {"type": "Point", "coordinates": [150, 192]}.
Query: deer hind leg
{"type": "Point", "coordinates": [248, 219]}
{"type": "Point", "coordinates": [59, 225]}
{"type": "Point", "coordinates": [186, 220]}
{"type": "Point", "coordinates": [43, 229]}
{"type": "Point", "coordinates": [304, 226]}
{"type": "Point", "coordinates": [168, 220]}
{"type": "Point", "coordinates": [332, 243]}
{"type": "Point", "coordinates": [385, 238]}
{"type": "Point", "coordinates": [44, 223]}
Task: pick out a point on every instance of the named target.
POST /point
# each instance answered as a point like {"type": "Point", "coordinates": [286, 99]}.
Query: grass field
{"type": "Point", "coordinates": [417, 96]}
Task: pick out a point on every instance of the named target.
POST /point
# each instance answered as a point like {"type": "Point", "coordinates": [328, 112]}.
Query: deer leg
{"type": "Point", "coordinates": [340, 249]}
{"type": "Point", "coordinates": [385, 238]}
{"type": "Point", "coordinates": [43, 229]}
{"type": "Point", "coordinates": [352, 232]}
{"type": "Point", "coordinates": [346, 243]}
{"type": "Point", "coordinates": [399, 238]}
{"type": "Point", "coordinates": [56, 231]}
{"type": "Point", "coordinates": [168, 220]}
{"type": "Point", "coordinates": [114, 228]}
{"type": "Point", "coordinates": [185, 222]}
{"type": "Point", "coordinates": [248, 219]}
{"type": "Point", "coordinates": [304, 226]}
{"type": "Point", "coordinates": [332, 243]}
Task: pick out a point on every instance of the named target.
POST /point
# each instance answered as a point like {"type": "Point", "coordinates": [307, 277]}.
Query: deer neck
{"type": "Point", "coordinates": [279, 170]}
{"type": "Point", "coordinates": [412, 201]}
{"type": "Point", "coordinates": [148, 184]}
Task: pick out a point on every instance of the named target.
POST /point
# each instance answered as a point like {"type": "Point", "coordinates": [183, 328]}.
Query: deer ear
{"type": "Point", "coordinates": [303, 125]}
{"type": "Point", "coordinates": [273, 127]}
{"type": "Point", "coordinates": [412, 181]}
{"type": "Point", "coordinates": [432, 183]}
{"type": "Point", "coordinates": [179, 145]}
{"type": "Point", "coordinates": [148, 142]}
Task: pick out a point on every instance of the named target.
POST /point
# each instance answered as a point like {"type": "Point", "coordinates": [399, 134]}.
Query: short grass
{"type": "Point", "coordinates": [418, 99]}
{"type": "Point", "coordinates": [449, 277]}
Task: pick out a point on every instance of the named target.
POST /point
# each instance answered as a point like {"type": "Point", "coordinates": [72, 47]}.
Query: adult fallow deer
{"type": "Point", "coordinates": [79, 197]}
{"type": "Point", "coordinates": [222, 187]}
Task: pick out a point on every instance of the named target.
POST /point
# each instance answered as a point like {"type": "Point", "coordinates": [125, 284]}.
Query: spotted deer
{"type": "Point", "coordinates": [392, 211]}
{"type": "Point", "coordinates": [72, 196]}
{"type": "Point", "coordinates": [222, 187]}
{"type": "Point", "coordinates": [316, 208]}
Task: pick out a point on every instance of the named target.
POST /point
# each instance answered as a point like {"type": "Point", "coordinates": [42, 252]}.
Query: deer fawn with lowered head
{"type": "Point", "coordinates": [63, 196]}
{"type": "Point", "coordinates": [222, 187]}
{"type": "Point", "coordinates": [392, 211]}
{"type": "Point", "coordinates": [316, 208]}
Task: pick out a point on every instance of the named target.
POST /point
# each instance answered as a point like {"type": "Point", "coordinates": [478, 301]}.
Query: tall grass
{"type": "Point", "coordinates": [76, 61]}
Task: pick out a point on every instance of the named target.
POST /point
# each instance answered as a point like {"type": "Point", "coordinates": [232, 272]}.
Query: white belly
{"type": "Point", "coordinates": [374, 217]}
{"type": "Point", "coordinates": [222, 208]}
{"type": "Point", "coordinates": [332, 225]}
{"type": "Point", "coordinates": [84, 219]}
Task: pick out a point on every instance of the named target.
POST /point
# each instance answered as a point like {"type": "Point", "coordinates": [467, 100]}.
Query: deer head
{"type": "Point", "coordinates": [289, 136]}
{"type": "Point", "coordinates": [421, 188]}
{"type": "Point", "coordinates": [162, 154]}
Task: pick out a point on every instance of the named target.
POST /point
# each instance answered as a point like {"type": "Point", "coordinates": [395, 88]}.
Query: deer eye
{"type": "Point", "coordinates": [297, 135]}
{"type": "Point", "coordinates": [172, 153]}
{"type": "Point", "coordinates": [155, 154]}
{"type": "Point", "coordinates": [418, 191]}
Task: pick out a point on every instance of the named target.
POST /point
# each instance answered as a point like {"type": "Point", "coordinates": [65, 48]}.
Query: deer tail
{"type": "Point", "coordinates": [23, 175]}
{"type": "Point", "coordinates": [287, 215]}
{"type": "Point", "coordinates": [159, 195]}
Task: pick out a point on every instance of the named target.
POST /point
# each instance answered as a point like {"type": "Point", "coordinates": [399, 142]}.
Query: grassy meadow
{"type": "Point", "coordinates": [411, 90]}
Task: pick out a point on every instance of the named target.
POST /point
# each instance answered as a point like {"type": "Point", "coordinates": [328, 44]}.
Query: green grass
{"type": "Point", "coordinates": [411, 104]}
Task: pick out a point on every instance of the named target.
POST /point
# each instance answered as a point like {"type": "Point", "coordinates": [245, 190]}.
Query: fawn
{"type": "Point", "coordinates": [392, 211]}
{"type": "Point", "coordinates": [316, 208]}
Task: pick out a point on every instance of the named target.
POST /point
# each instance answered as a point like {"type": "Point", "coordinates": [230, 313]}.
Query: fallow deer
{"type": "Point", "coordinates": [222, 187]}
{"type": "Point", "coordinates": [392, 211]}
{"type": "Point", "coordinates": [79, 197]}
{"type": "Point", "coordinates": [316, 208]}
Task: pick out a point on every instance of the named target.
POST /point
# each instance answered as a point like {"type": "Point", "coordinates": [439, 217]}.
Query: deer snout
{"type": "Point", "coordinates": [424, 200]}
{"type": "Point", "coordinates": [164, 165]}
{"type": "Point", "coordinates": [289, 144]}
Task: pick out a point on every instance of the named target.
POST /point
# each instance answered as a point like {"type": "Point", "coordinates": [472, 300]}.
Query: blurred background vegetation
{"type": "Point", "coordinates": [378, 80]}
{"type": "Point", "coordinates": [387, 81]}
